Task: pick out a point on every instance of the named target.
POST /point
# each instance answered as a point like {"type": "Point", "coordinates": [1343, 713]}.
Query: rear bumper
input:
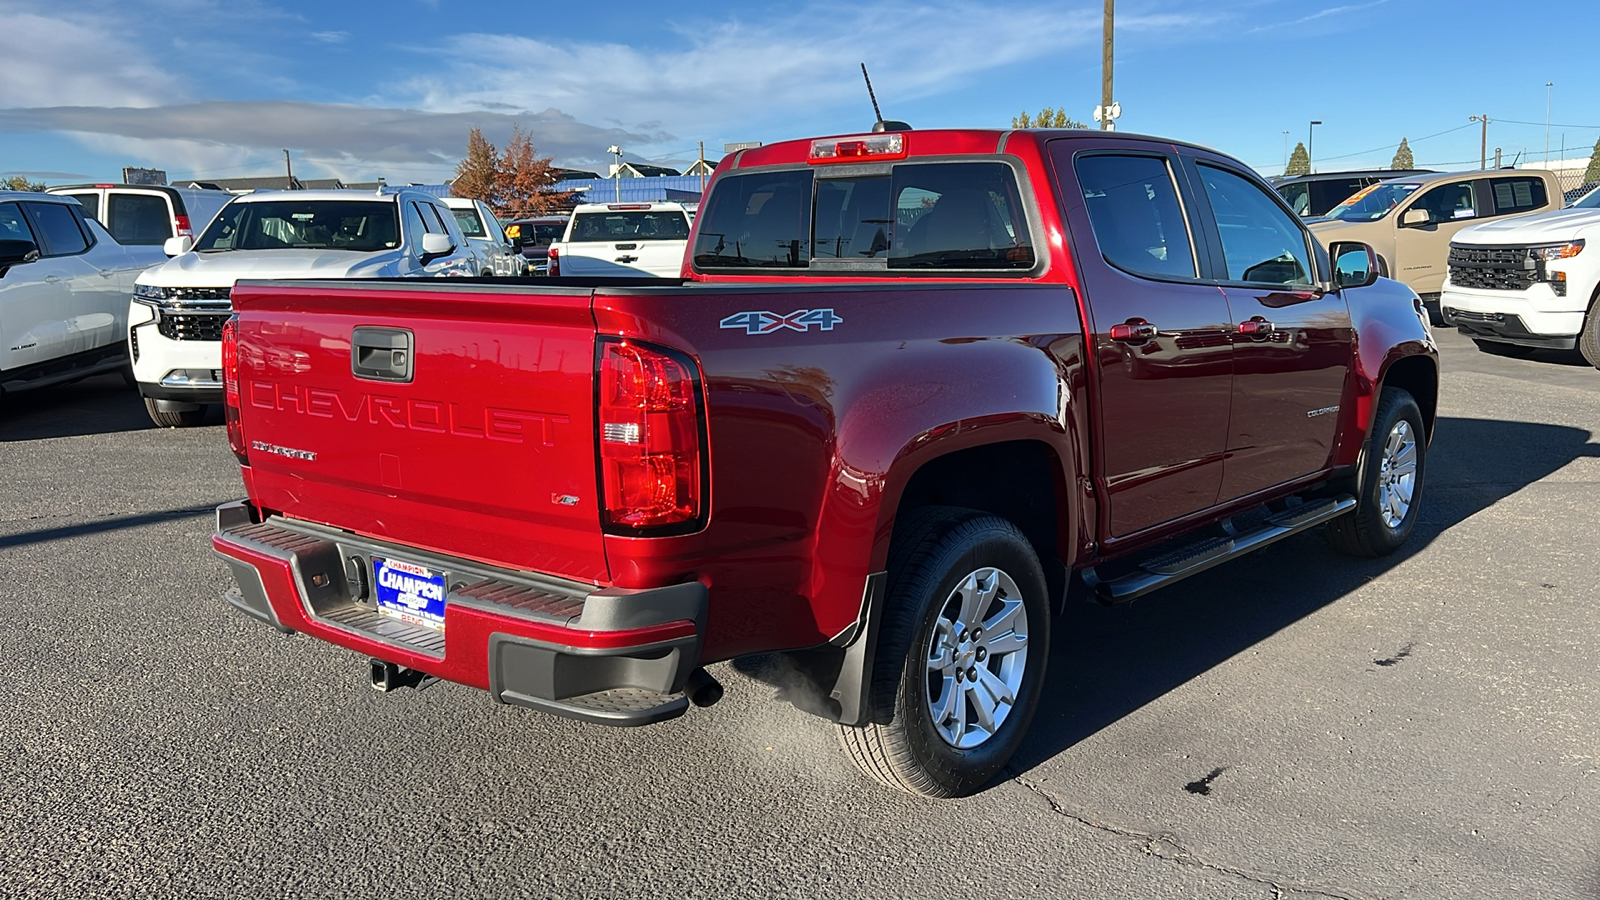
{"type": "Point", "coordinates": [603, 655]}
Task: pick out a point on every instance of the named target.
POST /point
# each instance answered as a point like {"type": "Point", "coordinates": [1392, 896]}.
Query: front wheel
{"type": "Point", "coordinates": [1390, 491]}
{"type": "Point", "coordinates": [186, 418]}
{"type": "Point", "coordinates": [1589, 338]}
{"type": "Point", "coordinates": [961, 657]}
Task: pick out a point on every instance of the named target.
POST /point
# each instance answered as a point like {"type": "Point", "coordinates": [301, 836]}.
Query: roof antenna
{"type": "Point", "coordinates": [879, 124]}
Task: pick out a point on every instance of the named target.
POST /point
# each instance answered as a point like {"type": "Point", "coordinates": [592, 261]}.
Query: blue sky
{"type": "Point", "coordinates": [216, 88]}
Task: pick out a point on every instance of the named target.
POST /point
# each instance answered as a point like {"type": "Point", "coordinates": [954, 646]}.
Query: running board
{"type": "Point", "coordinates": [1179, 564]}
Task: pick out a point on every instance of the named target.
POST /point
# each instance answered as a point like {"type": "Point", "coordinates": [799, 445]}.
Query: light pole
{"type": "Point", "coordinates": [1311, 134]}
{"type": "Point", "coordinates": [1286, 149]}
{"type": "Point", "coordinates": [1547, 86]}
{"type": "Point", "coordinates": [616, 170]}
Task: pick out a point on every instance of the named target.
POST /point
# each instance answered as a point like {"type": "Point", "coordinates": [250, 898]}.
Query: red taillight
{"type": "Point", "coordinates": [651, 458]}
{"type": "Point", "coordinates": [230, 389]}
{"type": "Point", "coordinates": [181, 225]}
{"type": "Point", "coordinates": [553, 262]}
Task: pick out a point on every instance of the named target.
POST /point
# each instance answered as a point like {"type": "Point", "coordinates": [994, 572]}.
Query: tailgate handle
{"type": "Point", "coordinates": [381, 354]}
{"type": "Point", "coordinates": [627, 246]}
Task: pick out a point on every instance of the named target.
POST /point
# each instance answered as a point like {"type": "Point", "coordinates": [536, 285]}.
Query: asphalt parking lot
{"type": "Point", "coordinates": [1293, 724]}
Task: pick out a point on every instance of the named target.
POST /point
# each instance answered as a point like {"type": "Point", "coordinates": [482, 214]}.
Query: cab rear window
{"type": "Point", "coordinates": [613, 225]}
{"type": "Point", "coordinates": [930, 216]}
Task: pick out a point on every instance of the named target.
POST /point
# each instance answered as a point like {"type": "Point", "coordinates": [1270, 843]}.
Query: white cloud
{"type": "Point", "coordinates": [735, 74]}
{"type": "Point", "coordinates": [330, 37]}
{"type": "Point", "coordinates": [62, 60]}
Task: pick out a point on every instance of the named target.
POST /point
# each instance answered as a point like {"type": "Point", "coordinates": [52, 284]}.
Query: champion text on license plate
{"type": "Point", "coordinates": [411, 593]}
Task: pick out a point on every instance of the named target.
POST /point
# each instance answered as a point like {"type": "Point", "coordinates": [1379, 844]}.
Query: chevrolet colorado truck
{"type": "Point", "coordinates": [911, 392]}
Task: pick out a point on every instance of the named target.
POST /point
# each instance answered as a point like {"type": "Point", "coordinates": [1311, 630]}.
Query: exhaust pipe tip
{"type": "Point", "coordinates": [703, 690]}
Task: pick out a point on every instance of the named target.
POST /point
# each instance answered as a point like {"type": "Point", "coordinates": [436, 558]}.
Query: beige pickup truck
{"type": "Point", "coordinates": [1410, 221]}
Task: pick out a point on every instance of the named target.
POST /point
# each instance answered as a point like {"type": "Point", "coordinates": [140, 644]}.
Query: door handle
{"type": "Point", "coordinates": [51, 279]}
{"type": "Point", "coordinates": [1256, 327]}
{"type": "Point", "coordinates": [1133, 331]}
{"type": "Point", "coordinates": [107, 273]}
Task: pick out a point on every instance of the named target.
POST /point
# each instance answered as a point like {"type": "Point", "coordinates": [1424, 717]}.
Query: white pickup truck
{"type": "Point", "coordinates": [623, 239]}
{"type": "Point", "coordinates": [1516, 285]}
{"type": "Point", "coordinates": [175, 320]}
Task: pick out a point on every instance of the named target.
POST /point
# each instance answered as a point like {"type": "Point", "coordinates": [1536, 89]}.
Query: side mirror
{"type": "Point", "coordinates": [1354, 264]}
{"type": "Point", "coordinates": [177, 246]}
{"type": "Point", "coordinates": [435, 246]}
{"type": "Point", "coordinates": [15, 253]}
{"type": "Point", "coordinates": [1415, 218]}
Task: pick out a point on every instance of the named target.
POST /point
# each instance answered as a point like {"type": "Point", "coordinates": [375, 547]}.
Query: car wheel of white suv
{"type": "Point", "coordinates": [185, 418]}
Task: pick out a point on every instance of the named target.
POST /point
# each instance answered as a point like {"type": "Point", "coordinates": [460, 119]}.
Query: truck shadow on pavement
{"type": "Point", "coordinates": [1108, 663]}
{"type": "Point", "coordinates": [100, 405]}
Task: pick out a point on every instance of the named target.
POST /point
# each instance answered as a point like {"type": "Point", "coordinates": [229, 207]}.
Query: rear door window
{"type": "Point", "coordinates": [1517, 195]}
{"type": "Point", "coordinates": [1134, 211]}
{"type": "Point", "coordinates": [90, 201]}
{"type": "Point", "coordinates": [471, 224]}
{"type": "Point", "coordinates": [1261, 243]}
{"type": "Point", "coordinates": [59, 228]}
{"type": "Point", "coordinates": [139, 219]}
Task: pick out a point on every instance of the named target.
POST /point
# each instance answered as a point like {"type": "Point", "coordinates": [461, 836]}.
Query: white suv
{"type": "Point", "coordinates": [175, 321]}
{"type": "Point", "coordinates": [623, 239]}
{"type": "Point", "coordinates": [486, 236]}
{"type": "Point", "coordinates": [64, 286]}
{"type": "Point", "coordinates": [1533, 281]}
{"type": "Point", "coordinates": [146, 214]}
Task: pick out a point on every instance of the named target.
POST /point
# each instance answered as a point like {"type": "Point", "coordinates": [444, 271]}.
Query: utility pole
{"type": "Point", "coordinates": [1311, 135]}
{"type": "Point", "coordinates": [1105, 69]}
{"type": "Point", "coordinates": [703, 166]}
{"type": "Point", "coordinates": [1547, 86]}
{"type": "Point", "coordinates": [290, 169]}
{"type": "Point", "coordinates": [1286, 149]}
{"type": "Point", "coordinates": [1483, 146]}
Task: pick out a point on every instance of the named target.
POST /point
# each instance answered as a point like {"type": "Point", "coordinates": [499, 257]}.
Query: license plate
{"type": "Point", "coordinates": [411, 593]}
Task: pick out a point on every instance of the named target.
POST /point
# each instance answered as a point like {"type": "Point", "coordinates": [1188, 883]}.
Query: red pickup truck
{"type": "Point", "coordinates": [913, 391]}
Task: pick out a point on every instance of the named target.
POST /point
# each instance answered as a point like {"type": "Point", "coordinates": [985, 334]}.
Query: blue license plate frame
{"type": "Point", "coordinates": [409, 593]}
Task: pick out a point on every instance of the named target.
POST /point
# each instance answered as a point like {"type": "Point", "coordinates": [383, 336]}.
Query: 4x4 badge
{"type": "Point", "coordinates": [766, 322]}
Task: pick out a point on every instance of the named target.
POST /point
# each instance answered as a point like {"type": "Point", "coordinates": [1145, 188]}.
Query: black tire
{"type": "Point", "coordinates": [934, 551]}
{"type": "Point", "coordinates": [1500, 348]}
{"type": "Point", "coordinates": [1589, 337]}
{"type": "Point", "coordinates": [1367, 531]}
{"type": "Point", "coordinates": [187, 418]}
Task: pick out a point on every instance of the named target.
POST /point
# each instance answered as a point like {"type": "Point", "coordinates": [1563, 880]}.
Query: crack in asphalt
{"type": "Point", "coordinates": [1165, 846]}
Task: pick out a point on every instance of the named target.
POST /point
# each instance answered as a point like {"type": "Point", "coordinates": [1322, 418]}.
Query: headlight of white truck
{"type": "Point", "coordinates": [1551, 252]}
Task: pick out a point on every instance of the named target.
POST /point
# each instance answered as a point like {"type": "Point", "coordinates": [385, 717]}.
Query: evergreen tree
{"type": "Point", "coordinates": [1593, 172]}
{"type": "Point", "coordinates": [1299, 161]}
{"type": "Point", "coordinates": [1402, 157]}
{"type": "Point", "coordinates": [476, 175]}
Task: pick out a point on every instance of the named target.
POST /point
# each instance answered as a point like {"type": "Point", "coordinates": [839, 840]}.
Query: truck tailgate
{"type": "Point", "coordinates": [456, 418]}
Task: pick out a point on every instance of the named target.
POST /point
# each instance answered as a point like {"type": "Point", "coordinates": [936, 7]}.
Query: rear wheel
{"type": "Point", "coordinates": [1391, 481]}
{"type": "Point", "coordinates": [186, 418]}
{"type": "Point", "coordinates": [960, 658]}
{"type": "Point", "coordinates": [1499, 348]}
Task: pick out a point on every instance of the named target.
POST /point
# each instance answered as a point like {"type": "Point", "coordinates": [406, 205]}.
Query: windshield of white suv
{"type": "Point", "coordinates": [661, 225]}
{"type": "Point", "coordinates": [361, 226]}
{"type": "Point", "coordinates": [471, 225]}
{"type": "Point", "coordinates": [1373, 202]}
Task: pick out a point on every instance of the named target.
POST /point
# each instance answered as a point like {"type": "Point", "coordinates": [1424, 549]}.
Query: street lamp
{"type": "Point", "coordinates": [1311, 133]}
{"type": "Point", "coordinates": [1286, 149]}
{"type": "Point", "coordinates": [616, 170]}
